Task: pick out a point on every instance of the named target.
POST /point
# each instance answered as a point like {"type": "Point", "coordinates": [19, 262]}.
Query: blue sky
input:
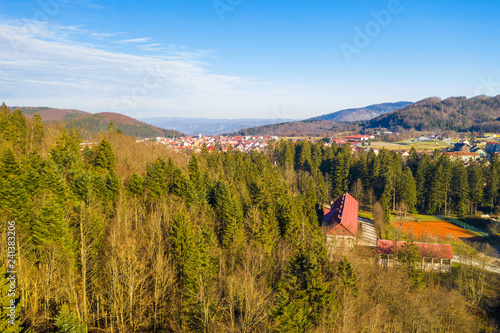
{"type": "Point", "coordinates": [244, 58]}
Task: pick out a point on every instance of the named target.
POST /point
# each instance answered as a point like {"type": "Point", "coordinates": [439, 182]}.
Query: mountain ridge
{"type": "Point", "coordinates": [364, 113]}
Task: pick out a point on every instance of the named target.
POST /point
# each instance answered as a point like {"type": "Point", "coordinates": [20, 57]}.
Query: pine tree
{"type": "Point", "coordinates": [156, 179]}
{"type": "Point", "coordinates": [413, 160]}
{"type": "Point", "coordinates": [67, 322]}
{"type": "Point", "coordinates": [135, 185]}
{"type": "Point", "coordinates": [348, 280]}
{"type": "Point", "coordinates": [421, 180]}
{"type": "Point", "coordinates": [9, 164]}
{"type": "Point", "coordinates": [19, 131]}
{"type": "Point", "coordinates": [38, 130]}
{"type": "Point", "coordinates": [302, 294]}
{"type": "Point", "coordinates": [460, 188]}
{"type": "Point", "coordinates": [340, 175]}
{"type": "Point", "coordinates": [492, 183]}
{"type": "Point", "coordinates": [409, 190]}
{"type": "Point", "coordinates": [476, 181]}
{"type": "Point", "coordinates": [104, 157]}
{"type": "Point", "coordinates": [66, 152]}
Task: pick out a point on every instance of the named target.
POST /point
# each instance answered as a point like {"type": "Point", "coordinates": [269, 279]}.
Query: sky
{"type": "Point", "coordinates": [244, 58]}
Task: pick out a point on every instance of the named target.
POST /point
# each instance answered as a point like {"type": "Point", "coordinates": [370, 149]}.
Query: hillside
{"type": "Point", "coordinates": [455, 113]}
{"type": "Point", "coordinates": [301, 128]}
{"type": "Point", "coordinates": [129, 126]}
{"type": "Point", "coordinates": [195, 126]}
{"type": "Point", "coordinates": [362, 114]}
{"type": "Point", "coordinates": [51, 114]}
{"type": "Point", "coordinates": [95, 123]}
{"type": "Point", "coordinates": [325, 125]}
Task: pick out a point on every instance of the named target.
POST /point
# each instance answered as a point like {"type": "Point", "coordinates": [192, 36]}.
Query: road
{"type": "Point", "coordinates": [492, 265]}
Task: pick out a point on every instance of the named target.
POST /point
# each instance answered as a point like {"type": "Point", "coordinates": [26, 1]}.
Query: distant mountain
{"type": "Point", "coordinates": [362, 114]}
{"type": "Point", "coordinates": [205, 126]}
{"type": "Point", "coordinates": [455, 113]}
{"type": "Point", "coordinates": [97, 122]}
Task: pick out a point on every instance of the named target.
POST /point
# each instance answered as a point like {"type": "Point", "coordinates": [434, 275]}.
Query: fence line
{"type": "Point", "coordinates": [464, 225]}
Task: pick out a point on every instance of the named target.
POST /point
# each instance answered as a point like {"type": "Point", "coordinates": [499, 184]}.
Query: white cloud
{"type": "Point", "coordinates": [135, 40]}
{"type": "Point", "coordinates": [46, 66]}
{"type": "Point", "coordinates": [103, 35]}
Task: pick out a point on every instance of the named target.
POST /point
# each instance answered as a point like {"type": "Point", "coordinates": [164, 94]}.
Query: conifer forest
{"type": "Point", "coordinates": [112, 235]}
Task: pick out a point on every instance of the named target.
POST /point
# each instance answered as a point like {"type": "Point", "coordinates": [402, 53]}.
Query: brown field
{"type": "Point", "coordinates": [442, 229]}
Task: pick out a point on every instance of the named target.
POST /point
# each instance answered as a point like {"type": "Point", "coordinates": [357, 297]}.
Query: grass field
{"type": "Point", "coordinates": [419, 146]}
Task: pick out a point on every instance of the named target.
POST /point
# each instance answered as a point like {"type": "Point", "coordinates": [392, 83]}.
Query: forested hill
{"type": "Point", "coordinates": [325, 125]}
{"type": "Point", "coordinates": [301, 128]}
{"type": "Point", "coordinates": [362, 114]}
{"type": "Point", "coordinates": [95, 123]}
{"type": "Point", "coordinates": [455, 113]}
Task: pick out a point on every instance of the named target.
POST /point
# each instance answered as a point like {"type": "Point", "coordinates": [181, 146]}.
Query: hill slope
{"type": "Point", "coordinates": [301, 128]}
{"type": "Point", "coordinates": [194, 126]}
{"type": "Point", "coordinates": [325, 125]}
{"type": "Point", "coordinates": [454, 113]}
{"type": "Point", "coordinates": [362, 114]}
{"type": "Point", "coordinates": [129, 126]}
{"type": "Point", "coordinates": [95, 123]}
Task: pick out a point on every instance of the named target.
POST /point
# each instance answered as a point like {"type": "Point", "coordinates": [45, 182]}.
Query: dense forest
{"type": "Point", "coordinates": [123, 237]}
{"type": "Point", "coordinates": [456, 114]}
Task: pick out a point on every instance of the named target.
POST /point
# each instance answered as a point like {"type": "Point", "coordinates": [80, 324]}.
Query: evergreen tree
{"type": "Point", "coordinates": [104, 157]}
{"type": "Point", "coordinates": [492, 183]}
{"type": "Point", "coordinates": [340, 174]}
{"type": "Point", "coordinates": [348, 280]}
{"type": "Point", "coordinates": [38, 131]}
{"type": "Point", "coordinates": [413, 160]}
{"type": "Point", "coordinates": [460, 188]}
{"type": "Point", "coordinates": [476, 181]}
{"type": "Point", "coordinates": [422, 182]}
{"type": "Point", "coordinates": [157, 176]}
{"type": "Point", "coordinates": [135, 185]}
{"type": "Point", "coordinates": [409, 190]}
{"type": "Point", "coordinates": [302, 294]}
{"type": "Point", "coordinates": [67, 322]}
{"type": "Point", "coordinates": [19, 133]}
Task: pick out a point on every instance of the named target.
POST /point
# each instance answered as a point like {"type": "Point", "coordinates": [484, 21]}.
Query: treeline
{"type": "Point", "coordinates": [125, 237]}
{"type": "Point", "coordinates": [453, 114]}
{"type": "Point", "coordinates": [428, 184]}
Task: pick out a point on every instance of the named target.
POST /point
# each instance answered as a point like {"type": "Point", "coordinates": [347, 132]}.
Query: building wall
{"type": "Point", "coordinates": [436, 265]}
{"type": "Point", "coordinates": [334, 242]}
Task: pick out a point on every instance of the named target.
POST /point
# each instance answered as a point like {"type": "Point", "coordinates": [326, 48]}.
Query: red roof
{"type": "Point", "coordinates": [343, 217]}
{"type": "Point", "coordinates": [426, 249]}
{"type": "Point", "coordinates": [358, 137]}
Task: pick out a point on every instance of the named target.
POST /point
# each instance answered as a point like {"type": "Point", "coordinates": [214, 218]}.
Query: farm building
{"type": "Point", "coordinates": [340, 223]}
{"type": "Point", "coordinates": [435, 257]}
